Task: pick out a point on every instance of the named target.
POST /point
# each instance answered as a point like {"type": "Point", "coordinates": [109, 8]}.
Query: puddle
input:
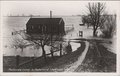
{"type": "Point", "coordinates": [75, 45]}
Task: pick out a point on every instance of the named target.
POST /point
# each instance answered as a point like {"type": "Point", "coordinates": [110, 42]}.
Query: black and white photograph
{"type": "Point", "coordinates": [59, 36]}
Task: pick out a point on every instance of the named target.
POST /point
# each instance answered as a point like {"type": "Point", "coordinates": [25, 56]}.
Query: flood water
{"type": "Point", "coordinates": [11, 24]}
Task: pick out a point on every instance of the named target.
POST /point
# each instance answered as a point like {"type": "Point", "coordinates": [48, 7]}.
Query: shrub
{"type": "Point", "coordinates": [109, 27]}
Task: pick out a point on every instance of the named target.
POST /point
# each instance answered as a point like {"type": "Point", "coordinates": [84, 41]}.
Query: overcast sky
{"type": "Point", "coordinates": [58, 7]}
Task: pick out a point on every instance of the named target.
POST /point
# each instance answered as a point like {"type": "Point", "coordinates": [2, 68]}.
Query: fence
{"type": "Point", "coordinates": [31, 63]}
{"type": "Point", "coordinates": [18, 32]}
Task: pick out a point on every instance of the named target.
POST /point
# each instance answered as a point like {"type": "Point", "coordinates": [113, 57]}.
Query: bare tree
{"type": "Point", "coordinates": [25, 40]}
{"type": "Point", "coordinates": [39, 41]}
{"type": "Point", "coordinates": [20, 43]}
{"type": "Point", "coordinates": [42, 40]}
{"type": "Point", "coordinates": [95, 12]}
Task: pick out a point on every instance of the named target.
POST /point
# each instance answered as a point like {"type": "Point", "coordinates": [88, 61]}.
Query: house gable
{"type": "Point", "coordinates": [45, 26]}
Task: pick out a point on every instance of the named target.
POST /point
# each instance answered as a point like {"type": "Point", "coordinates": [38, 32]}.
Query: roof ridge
{"type": "Point", "coordinates": [44, 20]}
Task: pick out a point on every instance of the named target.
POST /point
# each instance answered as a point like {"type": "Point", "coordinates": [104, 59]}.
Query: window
{"type": "Point", "coordinates": [32, 27]}
{"type": "Point", "coordinates": [39, 27]}
{"type": "Point", "coordinates": [43, 29]}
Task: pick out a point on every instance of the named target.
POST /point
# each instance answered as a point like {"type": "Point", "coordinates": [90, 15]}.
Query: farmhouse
{"type": "Point", "coordinates": [53, 26]}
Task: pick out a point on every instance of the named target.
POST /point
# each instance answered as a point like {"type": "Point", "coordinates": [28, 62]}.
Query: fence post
{"type": "Point", "coordinates": [60, 49]}
{"type": "Point", "coordinates": [17, 60]}
{"type": "Point", "coordinates": [32, 62]}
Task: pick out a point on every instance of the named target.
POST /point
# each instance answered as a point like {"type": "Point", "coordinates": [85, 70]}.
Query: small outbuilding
{"type": "Point", "coordinates": [53, 26]}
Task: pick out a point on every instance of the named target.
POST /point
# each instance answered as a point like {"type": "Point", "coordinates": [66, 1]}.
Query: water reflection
{"type": "Point", "coordinates": [31, 51]}
{"type": "Point", "coordinates": [75, 45]}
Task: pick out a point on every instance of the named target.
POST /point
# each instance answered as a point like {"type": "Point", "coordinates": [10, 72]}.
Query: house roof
{"type": "Point", "coordinates": [36, 21]}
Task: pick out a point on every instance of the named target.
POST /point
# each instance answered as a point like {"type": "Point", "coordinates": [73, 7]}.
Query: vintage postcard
{"type": "Point", "coordinates": [59, 38]}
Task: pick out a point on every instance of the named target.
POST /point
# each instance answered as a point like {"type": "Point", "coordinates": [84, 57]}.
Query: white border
{"type": "Point", "coordinates": [66, 73]}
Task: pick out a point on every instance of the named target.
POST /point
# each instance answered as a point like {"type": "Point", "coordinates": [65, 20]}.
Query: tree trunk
{"type": "Point", "coordinates": [51, 50]}
{"type": "Point", "coordinates": [52, 53]}
{"type": "Point", "coordinates": [94, 31]}
{"type": "Point", "coordinates": [44, 53]}
{"type": "Point", "coordinates": [88, 25]}
{"type": "Point", "coordinates": [21, 51]}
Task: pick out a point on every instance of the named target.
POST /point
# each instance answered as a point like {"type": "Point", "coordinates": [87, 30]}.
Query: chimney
{"type": "Point", "coordinates": [50, 14]}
